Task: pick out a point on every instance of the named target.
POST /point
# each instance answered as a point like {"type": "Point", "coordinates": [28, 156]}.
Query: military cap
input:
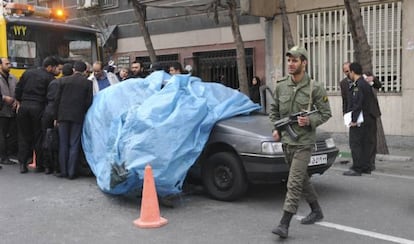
{"type": "Point", "coordinates": [296, 51]}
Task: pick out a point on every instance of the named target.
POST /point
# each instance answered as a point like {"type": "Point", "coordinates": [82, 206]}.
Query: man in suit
{"type": "Point", "coordinates": [72, 103]}
{"type": "Point", "coordinates": [362, 137]}
{"type": "Point", "coordinates": [344, 84]}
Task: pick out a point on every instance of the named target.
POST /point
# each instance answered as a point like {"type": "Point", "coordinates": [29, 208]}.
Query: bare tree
{"type": "Point", "coordinates": [363, 55]}
{"type": "Point", "coordinates": [140, 12]}
{"type": "Point", "coordinates": [362, 50]}
{"type": "Point", "coordinates": [231, 6]}
{"type": "Point", "coordinates": [286, 25]}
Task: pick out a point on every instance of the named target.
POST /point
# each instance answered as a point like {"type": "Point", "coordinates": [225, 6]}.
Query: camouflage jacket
{"type": "Point", "coordinates": [291, 98]}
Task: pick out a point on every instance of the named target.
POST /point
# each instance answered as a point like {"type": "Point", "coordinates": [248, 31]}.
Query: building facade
{"type": "Point", "coordinates": [322, 27]}
{"type": "Point", "coordinates": [182, 31]}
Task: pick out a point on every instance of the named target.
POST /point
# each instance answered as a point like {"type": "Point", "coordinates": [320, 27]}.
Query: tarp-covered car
{"type": "Point", "coordinates": [241, 150]}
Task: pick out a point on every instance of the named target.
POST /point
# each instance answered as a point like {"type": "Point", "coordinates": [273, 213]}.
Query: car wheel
{"type": "Point", "coordinates": [223, 176]}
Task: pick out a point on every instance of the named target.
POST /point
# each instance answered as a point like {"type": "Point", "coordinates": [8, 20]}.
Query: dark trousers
{"type": "Point", "coordinates": [30, 131]}
{"type": "Point", "coordinates": [363, 144]}
{"type": "Point", "coordinates": [8, 137]}
{"type": "Point", "coordinates": [69, 146]}
{"type": "Point", "coordinates": [48, 156]}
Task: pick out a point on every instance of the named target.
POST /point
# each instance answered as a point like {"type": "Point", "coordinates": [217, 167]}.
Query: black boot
{"type": "Point", "coordinates": [282, 230]}
{"type": "Point", "coordinates": [314, 216]}
{"type": "Point", "coordinates": [23, 168]}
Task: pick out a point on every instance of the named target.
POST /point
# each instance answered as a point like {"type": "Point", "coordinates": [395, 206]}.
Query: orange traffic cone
{"type": "Point", "coordinates": [150, 210]}
{"type": "Point", "coordinates": [33, 164]}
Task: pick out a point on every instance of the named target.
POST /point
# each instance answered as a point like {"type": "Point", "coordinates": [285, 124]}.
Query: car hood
{"type": "Point", "coordinates": [255, 125]}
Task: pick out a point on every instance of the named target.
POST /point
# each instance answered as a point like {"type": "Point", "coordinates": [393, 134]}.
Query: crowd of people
{"type": "Point", "coordinates": [41, 115]}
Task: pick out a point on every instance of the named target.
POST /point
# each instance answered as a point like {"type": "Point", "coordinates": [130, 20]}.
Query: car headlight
{"type": "Point", "coordinates": [272, 147]}
{"type": "Point", "coordinates": [330, 143]}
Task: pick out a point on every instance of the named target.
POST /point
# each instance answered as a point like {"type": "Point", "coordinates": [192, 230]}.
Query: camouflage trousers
{"type": "Point", "coordinates": [298, 157]}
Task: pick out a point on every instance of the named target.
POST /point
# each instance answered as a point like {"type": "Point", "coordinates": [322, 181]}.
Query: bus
{"type": "Point", "coordinates": [30, 33]}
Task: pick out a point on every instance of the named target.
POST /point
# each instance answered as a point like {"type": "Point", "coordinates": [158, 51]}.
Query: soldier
{"type": "Point", "coordinates": [297, 93]}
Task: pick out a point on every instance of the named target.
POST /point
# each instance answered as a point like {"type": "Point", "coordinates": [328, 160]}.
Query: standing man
{"type": "Point", "coordinates": [297, 93]}
{"type": "Point", "coordinates": [100, 78]}
{"type": "Point", "coordinates": [362, 137]}
{"type": "Point", "coordinates": [31, 96]}
{"type": "Point", "coordinates": [344, 84]}
{"type": "Point", "coordinates": [137, 70]}
{"type": "Point", "coordinates": [72, 103]}
{"type": "Point", "coordinates": [7, 111]}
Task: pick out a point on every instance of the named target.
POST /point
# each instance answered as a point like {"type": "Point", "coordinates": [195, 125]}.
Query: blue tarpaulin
{"type": "Point", "coordinates": [136, 122]}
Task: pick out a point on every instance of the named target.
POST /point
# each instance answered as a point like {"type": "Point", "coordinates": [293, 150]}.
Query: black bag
{"type": "Point", "coordinates": [51, 141]}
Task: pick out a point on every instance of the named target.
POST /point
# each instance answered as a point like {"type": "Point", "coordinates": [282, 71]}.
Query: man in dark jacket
{"type": "Point", "coordinates": [362, 137]}
{"type": "Point", "coordinates": [72, 103]}
{"type": "Point", "coordinates": [31, 96]}
{"type": "Point", "coordinates": [8, 130]}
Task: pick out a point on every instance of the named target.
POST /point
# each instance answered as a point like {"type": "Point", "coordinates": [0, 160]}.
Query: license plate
{"type": "Point", "coordinates": [318, 160]}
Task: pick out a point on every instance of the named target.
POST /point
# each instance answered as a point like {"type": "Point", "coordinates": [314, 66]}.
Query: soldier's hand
{"type": "Point", "coordinates": [275, 135]}
{"type": "Point", "coordinates": [303, 120]}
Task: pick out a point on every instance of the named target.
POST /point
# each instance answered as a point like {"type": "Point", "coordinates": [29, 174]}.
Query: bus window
{"type": "Point", "coordinates": [28, 45]}
{"type": "Point", "coordinates": [80, 50]}
{"type": "Point", "coordinates": [21, 53]}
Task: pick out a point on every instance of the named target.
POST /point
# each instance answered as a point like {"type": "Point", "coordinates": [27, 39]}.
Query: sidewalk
{"type": "Point", "coordinates": [399, 161]}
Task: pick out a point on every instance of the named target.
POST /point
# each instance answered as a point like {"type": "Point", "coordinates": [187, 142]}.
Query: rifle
{"type": "Point", "coordinates": [285, 123]}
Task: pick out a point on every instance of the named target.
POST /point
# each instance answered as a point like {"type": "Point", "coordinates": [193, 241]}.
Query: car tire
{"type": "Point", "coordinates": [224, 177]}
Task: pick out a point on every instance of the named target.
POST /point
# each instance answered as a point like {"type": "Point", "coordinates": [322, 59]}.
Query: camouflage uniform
{"type": "Point", "coordinates": [290, 98]}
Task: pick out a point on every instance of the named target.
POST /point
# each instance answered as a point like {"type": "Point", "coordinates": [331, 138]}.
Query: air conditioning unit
{"type": "Point", "coordinates": [86, 4]}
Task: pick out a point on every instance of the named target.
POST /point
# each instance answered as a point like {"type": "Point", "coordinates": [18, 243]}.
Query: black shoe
{"type": "Point", "coordinates": [48, 170]}
{"type": "Point", "coordinates": [366, 171]}
{"type": "Point", "coordinates": [313, 217]}
{"type": "Point", "coordinates": [281, 230]}
{"type": "Point", "coordinates": [23, 169]}
{"type": "Point", "coordinates": [62, 175]}
{"type": "Point", "coordinates": [1, 167]}
{"type": "Point", "coordinates": [352, 173]}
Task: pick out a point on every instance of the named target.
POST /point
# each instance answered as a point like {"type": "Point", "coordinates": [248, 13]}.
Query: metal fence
{"type": "Point", "coordinates": [325, 34]}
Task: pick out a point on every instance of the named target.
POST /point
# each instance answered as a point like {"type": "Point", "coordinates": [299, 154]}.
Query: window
{"type": "Point", "coordinates": [329, 43]}
{"type": "Point", "coordinates": [221, 66]}
{"type": "Point", "coordinates": [123, 61]}
{"type": "Point", "coordinates": [108, 3]}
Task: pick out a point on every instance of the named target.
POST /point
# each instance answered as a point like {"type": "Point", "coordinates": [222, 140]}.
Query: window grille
{"type": "Point", "coordinates": [221, 66]}
{"type": "Point", "coordinates": [163, 60]}
{"type": "Point", "coordinates": [108, 3]}
{"type": "Point", "coordinates": [123, 61]}
{"type": "Point", "coordinates": [329, 43]}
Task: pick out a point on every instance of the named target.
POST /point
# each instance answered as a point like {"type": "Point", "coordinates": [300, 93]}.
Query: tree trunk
{"type": "Point", "coordinates": [286, 25]}
{"type": "Point", "coordinates": [241, 54]}
{"type": "Point", "coordinates": [363, 55]}
{"type": "Point", "coordinates": [362, 50]}
{"type": "Point", "coordinates": [140, 13]}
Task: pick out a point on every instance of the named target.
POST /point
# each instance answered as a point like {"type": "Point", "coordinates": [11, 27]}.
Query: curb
{"type": "Point", "coordinates": [380, 157]}
{"type": "Point", "coordinates": [385, 157]}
